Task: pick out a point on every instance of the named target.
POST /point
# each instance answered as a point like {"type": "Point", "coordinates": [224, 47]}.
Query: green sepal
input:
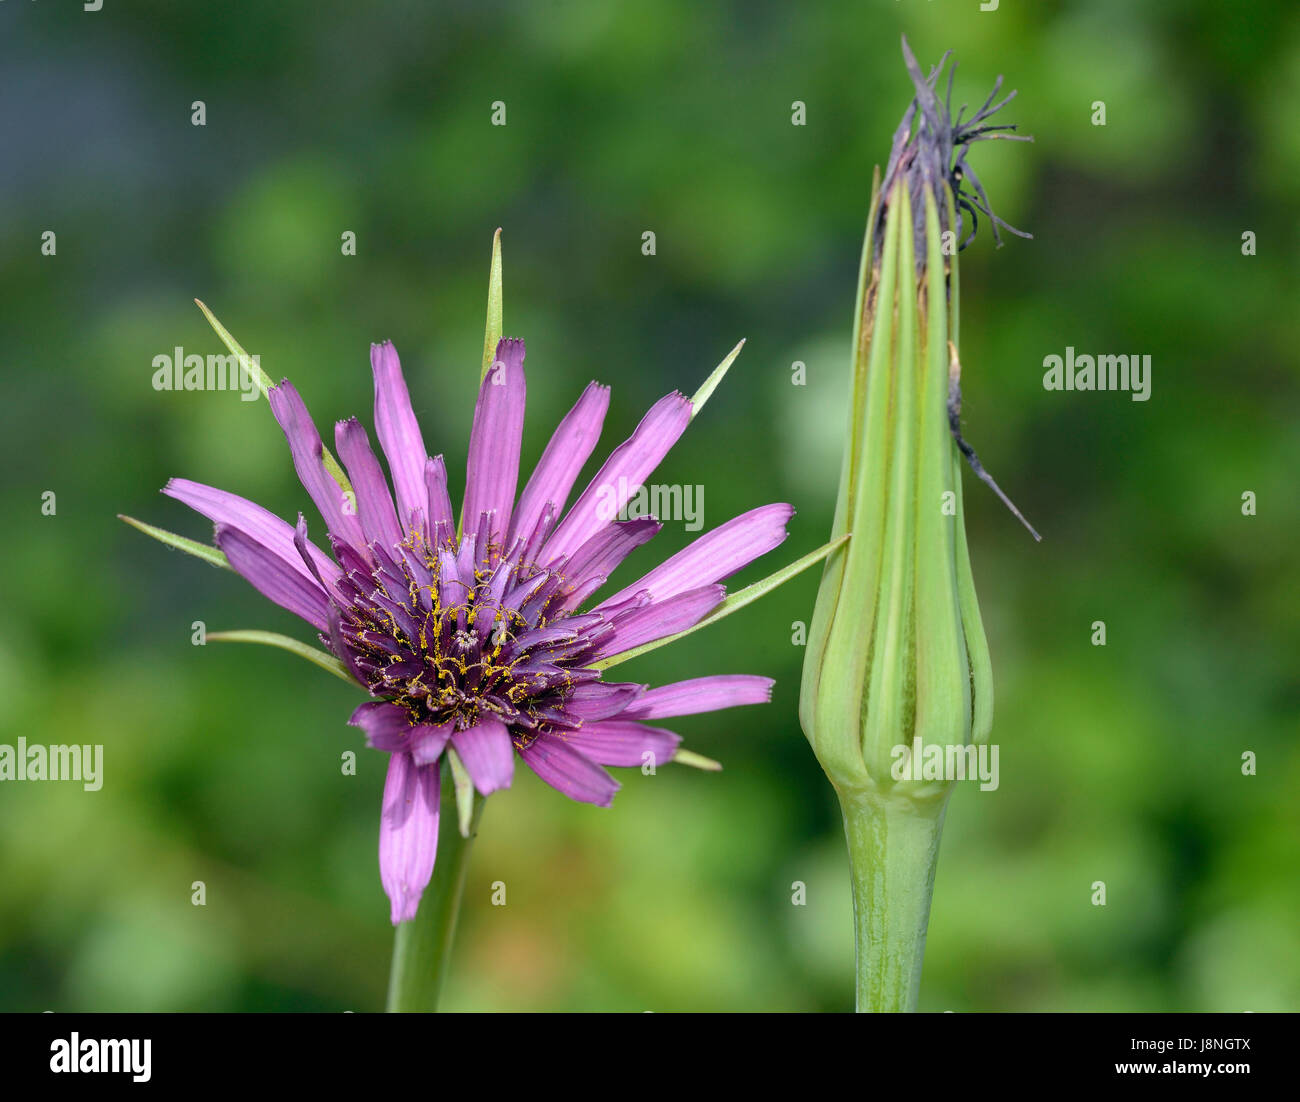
{"type": "Point", "coordinates": [886, 722]}
{"type": "Point", "coordinates": [835, 686]}
{"type": "Point", "coordinates": [943, 707]}
{"type": "Point", "coordinates": [833, 573]}
{"type": "Point", "coordinates": [977, 644]}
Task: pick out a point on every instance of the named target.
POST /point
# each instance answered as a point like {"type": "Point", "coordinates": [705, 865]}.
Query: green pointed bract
{"type": "Point", "coordinates": [464, 787]}
{"type": "Point", "coordinates": [495, 308]}
{"type": "Point", "coordinates": [212, 555]}
{"type": "Point", "coordinates": [896, 650]}
{"type": "Point", "coordinates": [711, 383]}
{"type": "Point", "coordinates": [319, 658]}
{"type": "Point", "coordinates": [732, 603]}
{"type": "Point", "coordinates": [246, 362]}
{"type": "Point", "coordinates": [264, 384]}
{"type": "Point", "coordinates": [492, 333]}
{"type": "Point", "coordinates": [696, 761]}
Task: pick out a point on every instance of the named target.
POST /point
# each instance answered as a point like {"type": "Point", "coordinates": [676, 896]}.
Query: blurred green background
{"type": "Point", "coordinates": [1119, 763]}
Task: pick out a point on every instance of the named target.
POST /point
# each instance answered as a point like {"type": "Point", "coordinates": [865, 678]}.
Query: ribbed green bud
{"type": "Point", "coordinates": [897, 659]}
{"type": "Point", "coordinates": [896, 650]}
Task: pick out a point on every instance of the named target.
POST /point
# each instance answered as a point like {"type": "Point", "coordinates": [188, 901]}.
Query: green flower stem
{"type": "Point", "coordinates": [893, 849]}
{"type": "Point", "coordinates": [422, 949]}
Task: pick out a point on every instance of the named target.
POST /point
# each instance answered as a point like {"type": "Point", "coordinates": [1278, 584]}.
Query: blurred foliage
{"type": "Point", "coordinates": [1118, 763]}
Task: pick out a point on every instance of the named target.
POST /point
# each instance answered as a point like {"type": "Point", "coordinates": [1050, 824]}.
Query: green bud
{"type": "Point", "coordinates": [896, 651]}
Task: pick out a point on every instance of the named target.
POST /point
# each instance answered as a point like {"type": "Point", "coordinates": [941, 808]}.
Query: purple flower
{"type": "Point", "coordinates": [479, 641]}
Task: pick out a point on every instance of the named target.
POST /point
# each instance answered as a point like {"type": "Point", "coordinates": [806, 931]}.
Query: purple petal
{"type": "Point", "coordinates": [307, 450]}
{"type": "Point", "coordinates": [408, 833]}
{"type": "Point", "coordinates": [275, 578]}
{"type": "Point", "coordinates": [654, 621]}
{"type": "Point", "coordinates": [717, 554]}
{"type": "Point", "coordinates": [465, 563]}
{"type": "Point", "coordinates": [609, 547]}
{"type": "Point", "coordinates": [302, 545]}
{"type": "Point", "coordinates": [602, 700]}
{"type": "Point", "coordinates": [488, 754]}
{"type": "Point", "coordinates": [627, 467]}
{"type": "Point", "coordinates": [379, 521]}
{"type": "Point", "coordinates": [492, 473]}
{"type": "Point", "coordinates": [623, 742]}
{"type": "Point", "coordinates": [569, 772]}
{"type": "Point", "coordinates": [451, 591]}
{"type": "Point", "coordinates": [276, 535]}
{"type": "Point", "coordinates": [569, 448]}
{"type": "Point", "coordinates": [398, 430]}
{"type": "Point", "coordinates": [439, 501]}
{"type": "Point", "coordinates": [528, 546]}
{"type": "Point", "coordinates": [701, 694]}
{"type": "Point", "coordinates": [528, 590]}
{"type": "Point", "coordinates": [428, 740]}
{"type": "Point", "coordinates": [341, 649]}
{"type": "Point", "coordinates": [387, 726]}
{"type": "Point", "coordinates": [491, 613]}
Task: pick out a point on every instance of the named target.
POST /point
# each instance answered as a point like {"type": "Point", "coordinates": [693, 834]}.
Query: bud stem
{"type": "Point", "coordinates": [422, 946]}
{"type": "Point", "coordinates": [893, 850]}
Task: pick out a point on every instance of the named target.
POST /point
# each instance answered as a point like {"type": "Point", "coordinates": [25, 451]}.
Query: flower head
{"type": "Point", "coordinates": [482, 638]}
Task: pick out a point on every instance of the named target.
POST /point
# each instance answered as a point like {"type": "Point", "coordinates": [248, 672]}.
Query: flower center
{"type": "Point", "coordinates": [453, 636]}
